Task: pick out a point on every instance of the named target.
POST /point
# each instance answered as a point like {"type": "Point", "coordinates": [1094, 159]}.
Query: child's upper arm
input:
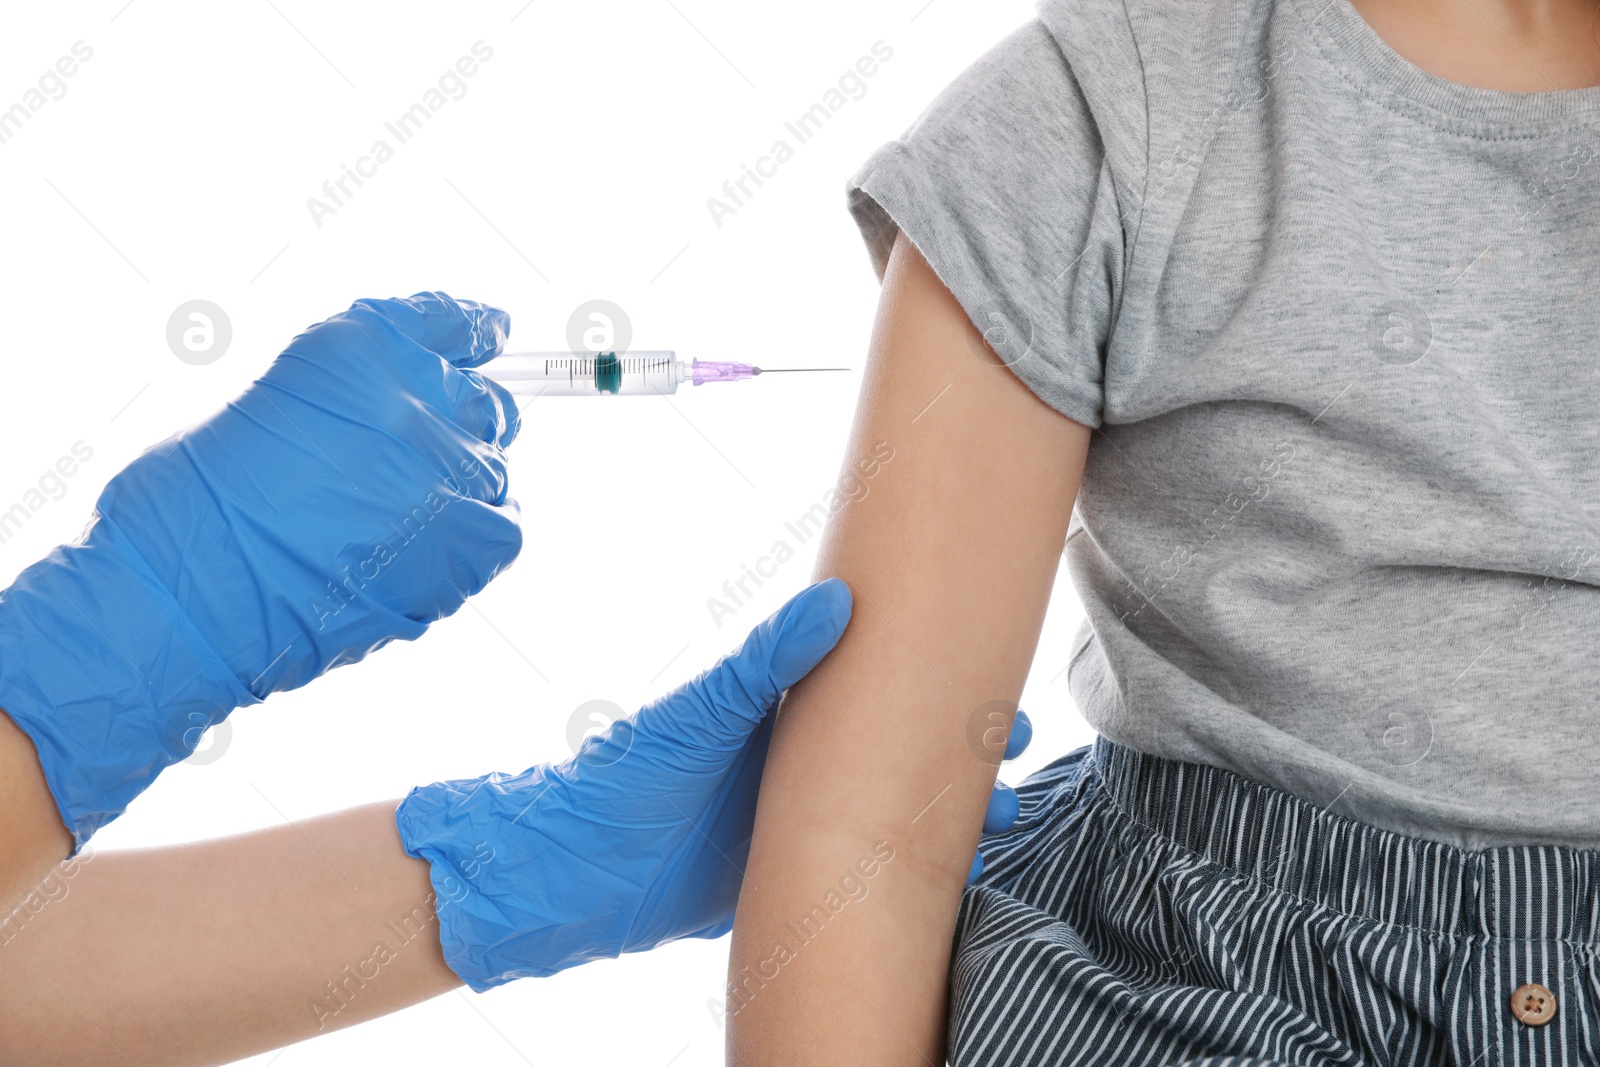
{"type": "Point", "coordinates": [842, 942]}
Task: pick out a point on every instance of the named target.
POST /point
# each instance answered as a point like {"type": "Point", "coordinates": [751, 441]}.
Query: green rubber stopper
{"type": "Point", "coordinates": [608, 372]}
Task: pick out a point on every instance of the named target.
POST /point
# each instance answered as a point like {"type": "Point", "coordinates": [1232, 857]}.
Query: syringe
{"type": "Point", "coordinates": [633, 374]}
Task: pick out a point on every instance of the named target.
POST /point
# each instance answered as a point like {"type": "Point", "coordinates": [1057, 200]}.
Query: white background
{"type": "Point", "coordinates": [577, 166]}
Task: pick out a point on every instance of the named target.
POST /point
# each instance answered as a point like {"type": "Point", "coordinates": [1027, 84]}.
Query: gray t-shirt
{"type": "Point", "coordinates": [1336, 321]}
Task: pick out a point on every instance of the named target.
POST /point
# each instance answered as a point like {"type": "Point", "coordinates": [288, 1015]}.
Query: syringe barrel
{"type": "Point", "coordinates": [606, 374]}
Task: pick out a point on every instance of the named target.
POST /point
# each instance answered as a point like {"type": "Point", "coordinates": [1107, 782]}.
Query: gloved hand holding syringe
{"type": "Point", "coordinates": [614, 374]}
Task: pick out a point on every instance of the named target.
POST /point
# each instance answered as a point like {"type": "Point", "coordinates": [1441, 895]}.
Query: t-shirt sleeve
{"type": "Point", "coordinates": [1004, 185]}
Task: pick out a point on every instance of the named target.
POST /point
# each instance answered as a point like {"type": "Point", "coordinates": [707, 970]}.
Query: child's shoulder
{"type": "Point", "coordinates": [1163, 37]}
{"type": "Point", "coordinates": [1156, 61]}
{"type": "Point", "coordinates": [1155, 13]}
{"type": "Point", "coordinates": [1196, 27]}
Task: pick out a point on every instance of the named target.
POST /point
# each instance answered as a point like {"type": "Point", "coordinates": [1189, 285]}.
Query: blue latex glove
{"type": "Point", "coordinates": [351, 495]}
{"type": "Point", "coordinates": [639, 839]}
{"type": "Point", "coordinates": [1004, 807]}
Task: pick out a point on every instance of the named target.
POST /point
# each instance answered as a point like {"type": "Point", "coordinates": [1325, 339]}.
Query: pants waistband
{"type": "Point", "coordinates": [1293, 846]}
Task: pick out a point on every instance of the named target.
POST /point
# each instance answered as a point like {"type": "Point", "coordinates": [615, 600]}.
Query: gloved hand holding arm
{"type": "Point", "coordinates": [352, 495]}
{"type": "Point", "coordinates": [213, 951]}
{"type": "Point", "coordinates": [639, 839]}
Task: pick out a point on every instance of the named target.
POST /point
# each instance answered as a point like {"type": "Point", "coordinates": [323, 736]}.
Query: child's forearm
{"type": "Point", "coordinates": [210, 952]}
{"type": "Point", "coordinates": [843, 935]}
{"type": "Point", "coordinates": [33, 838]}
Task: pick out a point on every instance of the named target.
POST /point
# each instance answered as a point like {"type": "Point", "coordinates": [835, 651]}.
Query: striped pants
{"type": "Point", "coordinates": [1145, 911]}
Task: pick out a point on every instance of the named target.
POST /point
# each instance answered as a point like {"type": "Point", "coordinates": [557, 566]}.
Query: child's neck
{"type": "Point", "coordinates": [1519, 45]}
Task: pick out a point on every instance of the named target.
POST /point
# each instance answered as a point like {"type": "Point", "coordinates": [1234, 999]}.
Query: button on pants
{"type": "Point", "coordinates": [1145, 911]}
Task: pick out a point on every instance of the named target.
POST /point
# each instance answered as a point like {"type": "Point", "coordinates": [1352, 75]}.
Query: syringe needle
{"type": "Point", "coordinates": [795, 370]}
